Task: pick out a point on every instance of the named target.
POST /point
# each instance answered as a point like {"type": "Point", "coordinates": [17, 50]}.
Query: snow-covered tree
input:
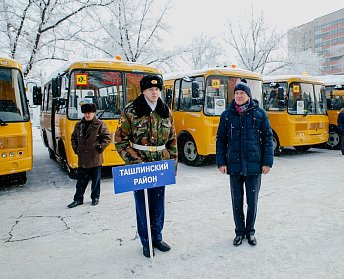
{"type": "Point", "coordinates": [203, 52]}
{"type": "Point", "coordinates": [303, 62]}
{"type": "Point", "coordinates": [255, 44]}
{"type": "Point", "coordinates": [36, 30]}
{"type": "Point", "coordinates": [132, 29]}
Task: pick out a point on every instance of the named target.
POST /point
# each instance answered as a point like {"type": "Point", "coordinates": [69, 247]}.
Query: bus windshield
{"type": "Point", "coordinates": [105, 89]}
{"type": "Point", "coordinates": [219, 92]}
{"type": "Point", "coordinates": [13, 106]}
{"type": "Point", "coordinates": [306, 98]}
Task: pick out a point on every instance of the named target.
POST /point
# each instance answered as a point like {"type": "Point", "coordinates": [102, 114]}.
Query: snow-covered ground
{"type": "Point", "coordinates": [299, 226]}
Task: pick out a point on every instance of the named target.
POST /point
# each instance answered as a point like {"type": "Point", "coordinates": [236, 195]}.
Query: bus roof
{"type": "Point", "coordinates": [292, 78]}
{"type": "Point", "coordinates": [105, 64]}
{"type": "Point", "coordinates": [214, 71]}
{"type": "Point", "coordinates": [7, 62]}
{"type": "Point", "coordinates": [332, 79]}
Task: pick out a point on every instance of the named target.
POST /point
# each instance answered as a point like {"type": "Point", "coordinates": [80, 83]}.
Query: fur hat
{"type": "Point", "coordinates": [242, 85]}
{"type": "Point", "coordinates": [151, 81]}
{"type": "Point", "coordinates": [88, 108]}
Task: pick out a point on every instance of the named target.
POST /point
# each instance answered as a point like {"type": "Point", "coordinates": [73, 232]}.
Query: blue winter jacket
{"type": "Point", "coordinates": [340, 122]}
{"type": "Point", "coordinates": [244, 141]}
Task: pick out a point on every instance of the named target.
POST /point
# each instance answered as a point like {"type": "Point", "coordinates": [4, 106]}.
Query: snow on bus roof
{"type": "Point", "coordinates": [287, 77]}
{"type": "Point", "coordinates": [202, 71]}
{"type": "Point", "coordinates": [332, 79]}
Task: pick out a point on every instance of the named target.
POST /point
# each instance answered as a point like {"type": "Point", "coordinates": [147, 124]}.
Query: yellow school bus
{"type": "Point", "coordinates": [197, 99]}
{"type": "Point", "coordinates": [334, 87]}
{"type": "Point", "coordinates": [15, 124]}
{"type": "Point", "coordinates": [296, 106]}
{"type": "Point", "coordinates": [110, 84]}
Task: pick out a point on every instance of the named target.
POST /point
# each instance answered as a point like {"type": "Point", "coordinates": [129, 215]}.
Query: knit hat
{"type": "Point", "coordinates": [151, 81]}
{"type": "Point", "coordinates": [88, 108]}
{"type": "Point", "coordinates": [242, 85]}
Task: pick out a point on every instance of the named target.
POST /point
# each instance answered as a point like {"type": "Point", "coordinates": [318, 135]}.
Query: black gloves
{"type": "Point", "coordinates": [99, 148]}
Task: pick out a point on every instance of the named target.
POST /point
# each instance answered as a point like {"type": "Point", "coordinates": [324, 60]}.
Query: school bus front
{"type": "Point", "coordinates": [15, 125]}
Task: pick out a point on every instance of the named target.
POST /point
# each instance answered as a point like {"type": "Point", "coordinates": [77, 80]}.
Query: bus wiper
{"type": "Point", "coordinates": [3, 123]}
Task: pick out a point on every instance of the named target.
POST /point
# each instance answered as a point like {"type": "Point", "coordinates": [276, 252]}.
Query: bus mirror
{"type": "Point", "coordinates": [36, 95]}
{"type": "Point", "coordinates": [168, 97]}
{"type": "Point", "coordinates": [195, 89]}
{"type": "Point", "coordinates": [56, 87]}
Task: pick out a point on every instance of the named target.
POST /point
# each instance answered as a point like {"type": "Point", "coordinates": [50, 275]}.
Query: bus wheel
{"type": "Point", "coordinates": [302, 148]}
{"type": "Point", "coordinates": [188, 152]}
{"type": "Point", "coordinates": [277, 147]}
{"type": "Point", "coordinates": [20, 178]}
{"type": "Point", "coordinates": [51, 154]}
{"type": "Point", "coordinates": [333, 139]}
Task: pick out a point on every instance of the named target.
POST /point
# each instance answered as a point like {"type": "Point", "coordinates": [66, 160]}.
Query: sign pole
{"type": "Point", "coordinates": [148, 225]}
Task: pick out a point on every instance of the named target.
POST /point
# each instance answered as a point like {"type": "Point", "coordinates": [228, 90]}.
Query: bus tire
{"type": "Point", "coordinates": [302, 148]}
{"type": "Point", "coordinates": [333, 139]}
{"type": "Point", "coordinates": [277, 147]}
{"type": "Point", "coordinates": [63, 158]}
{"type": "Point", "coordinates": [20, 178]}
{"type": "Point", "coordinates": [188, 152]}
{"type": "Point", "coordinates": [51, 154]}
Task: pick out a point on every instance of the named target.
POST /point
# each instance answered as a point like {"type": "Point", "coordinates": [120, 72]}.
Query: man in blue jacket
{"type": "Point", "coordinates": [244, 150]}
{"type": "Point", "coordinates": [340, 122]}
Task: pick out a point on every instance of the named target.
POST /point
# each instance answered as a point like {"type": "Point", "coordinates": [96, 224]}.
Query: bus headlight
{"type": "Point", "coordinates": [20, 153]}
{"type": "Point", "coordinates": [4, 155]}
{"type": "Point", "coordinates": [11, 154]}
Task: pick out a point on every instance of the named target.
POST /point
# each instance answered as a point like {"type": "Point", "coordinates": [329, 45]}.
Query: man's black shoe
{"type": "Point", "coordinates": [252, 240]}
{"type": "Point", "coordinates": [74, 204]}
{"type": "Point", "coordinates": [238, 240]}
{"type": "Point", "coordinates": [162, 246]}
{"type": "Point", "coordinates": [146, 252]}
{"type": "Point", "coordinates": [95, 201]}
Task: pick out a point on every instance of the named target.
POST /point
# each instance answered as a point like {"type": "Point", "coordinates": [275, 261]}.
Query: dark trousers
{"type": "Point", "coordinates": [252, 186]}
{"type": "Point", "coordinates": [342, 143]}
{"type": "Point", "coordinates": [156, 201]}
{"type": "Point", "coordinates": [83, 177]}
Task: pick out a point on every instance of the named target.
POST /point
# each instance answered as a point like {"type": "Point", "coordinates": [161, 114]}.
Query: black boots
{"type": "Point", "coordinates": [74, 204]}
{"type": "Point", "coordinates": [162, 246]}
{"type": "Point", "coordinates": [95, 201]}
{"type": "Point", "coordinates": [146, 252]}
{"type": "Point", "coordinates": [238, 240]}
{"type": "Point", "coordinates": [252, 240]}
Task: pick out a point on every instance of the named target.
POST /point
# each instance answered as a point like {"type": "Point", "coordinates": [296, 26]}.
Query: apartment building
{"type": "Point", "coordinates": [324, 36]}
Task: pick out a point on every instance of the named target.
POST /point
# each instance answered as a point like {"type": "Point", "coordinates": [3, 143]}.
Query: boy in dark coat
{"type": "Point", "coordinates": [244, 150]}
{"type": "Point", "coordinates": [89, 139]}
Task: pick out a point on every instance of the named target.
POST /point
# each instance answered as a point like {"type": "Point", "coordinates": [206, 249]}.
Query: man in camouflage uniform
{"type": "Point", "coordinates": [146, 133]}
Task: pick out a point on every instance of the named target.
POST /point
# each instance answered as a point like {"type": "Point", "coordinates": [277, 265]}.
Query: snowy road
{"type": "Point", "coordinates": [299, 226]}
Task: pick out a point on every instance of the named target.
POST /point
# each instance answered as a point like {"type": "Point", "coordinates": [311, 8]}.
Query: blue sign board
{"type": "Point", "coordinates": [143, 176]}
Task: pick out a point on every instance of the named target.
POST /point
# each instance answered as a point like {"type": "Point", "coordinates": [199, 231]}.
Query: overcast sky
{"type": "Point", "coordinates": [188, 17]}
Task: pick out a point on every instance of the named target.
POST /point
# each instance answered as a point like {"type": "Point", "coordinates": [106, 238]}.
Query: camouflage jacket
{"type": "Point", "coordinates": [138, 124]}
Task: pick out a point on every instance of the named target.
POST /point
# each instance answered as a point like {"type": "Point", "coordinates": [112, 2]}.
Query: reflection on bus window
{"type": "Point", "coordinates": [103, 88]}
{"type": "Point", "coordinates": [303, 98]}
{"type": "Point", "coordinates": [12, 96]}
{"type": "Point", "coordinates": [274, 96]}
{"type": "Point", "coordinates": [220, 92]}
{"type": "Point", "coordinates": [188, 102]}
